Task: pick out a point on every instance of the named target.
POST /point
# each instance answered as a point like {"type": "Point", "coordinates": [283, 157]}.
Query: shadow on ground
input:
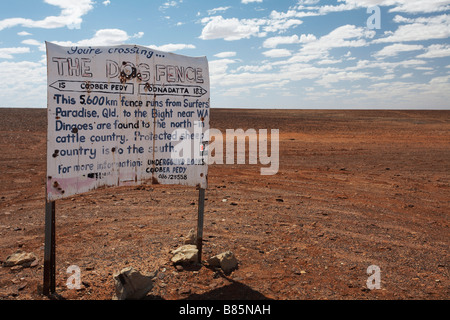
{"type": "Point", "coordinates": [233, 291]}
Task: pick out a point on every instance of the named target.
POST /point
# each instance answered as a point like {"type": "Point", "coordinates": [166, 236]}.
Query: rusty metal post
{"type": "Point", "coordinates": [201, 210]}
{"type": "Point", "coordinates": [49, 286]}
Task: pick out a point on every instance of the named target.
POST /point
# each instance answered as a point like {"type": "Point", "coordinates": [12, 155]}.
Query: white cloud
{"type": "Point", "coordinates": [409, 6]}
{"type": "Point", "coordinates": [424, 68]}
{"type": "Point", "coordinates": [436, 51]}
{"type": "Point", "coordinates": [307, 2]}
{"type": "Point", "coordinates": [215, 10]}
{"type": "Point", "coordinates": [29, 77]}
{"type": "Point", "coordinates": [106, 37]}
{"type": "Point", "coordinates": [326, 70]}
{"type": "Point", "coordinates": [281, 25]}
{"type": "Point", "coordinates": [138, 35]}
{"type": "Point", "coordinates": [103, 37]}
{"type": "Point", "coordinates": [401, 19]}
{"type": "Point", "coordinates": [329, 61]}
{"type": "Point", "coordinates": [306, 8]}
{"type": "Point", "coordinates": [291, 13]}
{"type": "Point", "coordinates": [218, 68]}
{"type": "Point", "coordinates": [431, 95]}
{"type": "Point", "coordinates": [170, 4]}
{"type": "Point", "coordinates": [294, 39]}
{"type": "Point", "coordinates": [329, 78]}
{"type": "Point", "coordinates": [277, 53]}
{"type": "Point", "coordinates": [300, 71]}
{"type": "Point", "coordinates": [387, 66]}
{"type": "Point", "coordinates": [342, 7]}
{"type": "Point", "coordinates": [107, 2]}
{"type": "Point", "coordinates": [343, 36]}
{"type": "Point", "coordinates": [171, 47]}
{"type": "Point", "coordinates": [250, 1]}
{"type": "Point", "coordinates": [7, 53]}
{"type": "Point", "coordinates": [441, 80]}
{"type": "Point", "coordinates": [23, 34]}
{"type": "Point", "coordinates": [225, 54]}
{"type": "Point", "coordinates": [395, 49]}
{"type": "Point", "coordinates": [422, 28]}
{"type": "Point", "coordinates": [70, 16]}
{"type": "Point", "coordinates": [420, 6]}
{"type": "Point", "coordinates": [32, 42]}
{"type": "Point", "coordinates": [258, 68]}
{"type": "Point", "coordinates": [260, 88]}
{"type": "Point", "coordinates": [275, 41]}
{"type": "Point", "coordinates": [229, 29]}
{"type": "Point", "coordinates": [247, 78]}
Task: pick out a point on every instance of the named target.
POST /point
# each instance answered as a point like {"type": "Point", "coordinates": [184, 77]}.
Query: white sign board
{"type": "Point", "coordinates": [125, 115]}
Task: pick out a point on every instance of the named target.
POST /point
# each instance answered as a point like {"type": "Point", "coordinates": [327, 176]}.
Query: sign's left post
{"type": "Point", "coordinates": [49, 286]}
{"type": "Point", "coordinates": [49, 281]}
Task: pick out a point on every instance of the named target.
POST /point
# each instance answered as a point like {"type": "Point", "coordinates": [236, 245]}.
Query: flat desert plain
{"type": "Point", "coordinates": [354, 189]}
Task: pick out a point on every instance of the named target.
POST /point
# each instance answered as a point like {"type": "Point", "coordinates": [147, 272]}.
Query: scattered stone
{"type": "Point", "coordinates": [191, 237]}
{"type": "Point", "coordinates": [13, 292]}
{"type": "Point", "coordinates": [213, 285]}
{"type": "Point", "coordinates": [296, 271]}
{"type": "Point", "coordinates": [16, 268]}
{"type": "Point", "coordinates": [185, 254]}
{"type": "Point", "coordinates": [185, 291]}
{"type": "Point", "coordinates": [21, 286]}
{"type": "Point", "coordinates": [226, 261]}
{"type": "Point", "coordinates": [179, 267]}
{"type": "Point", "coordinates": [131, 284]}
{"type": "Point", "coordinates": [20, 258]}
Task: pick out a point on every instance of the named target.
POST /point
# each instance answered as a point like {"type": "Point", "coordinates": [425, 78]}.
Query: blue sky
{"type": "Point", "coordinates": [262, 53]}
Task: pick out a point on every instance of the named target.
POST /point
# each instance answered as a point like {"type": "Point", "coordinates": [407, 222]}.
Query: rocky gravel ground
{"type": "Point", "coordinates": [354, 189]}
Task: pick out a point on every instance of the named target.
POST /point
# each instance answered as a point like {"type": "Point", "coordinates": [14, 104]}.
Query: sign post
{"type": "Point", "coordinates": [201, 210]}
{"type": "Point", "coordinates": [49, 286]}
{"type": "Point", "coordinates": [123, 116]}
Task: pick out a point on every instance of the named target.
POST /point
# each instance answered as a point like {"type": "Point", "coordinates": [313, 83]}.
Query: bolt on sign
{"type": "Point", "coordinates": [125, 115]}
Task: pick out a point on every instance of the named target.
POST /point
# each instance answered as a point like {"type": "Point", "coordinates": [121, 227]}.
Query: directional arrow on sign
{"type": "Point", "coordinates": [93, 86]}
{"type": "Point", "coordinates": [171, 90]}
